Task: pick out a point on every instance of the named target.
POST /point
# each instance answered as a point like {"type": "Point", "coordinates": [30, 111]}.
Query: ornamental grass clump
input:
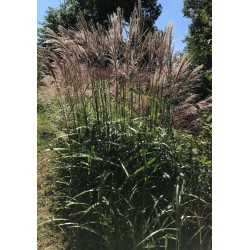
{"type": "Point", "coordinates": [138, 70]}
{"type": "Point", "coordinates": [122, 172]}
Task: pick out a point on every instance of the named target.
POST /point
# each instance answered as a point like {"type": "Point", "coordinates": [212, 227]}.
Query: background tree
{"type": "Point", "coordinates": [199, 39]}
{"type": "Point", "coordinates": [96, 11]}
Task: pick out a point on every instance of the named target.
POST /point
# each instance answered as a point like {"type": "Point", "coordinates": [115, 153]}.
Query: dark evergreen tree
{"type": "Point", "coordinates": [97, 11]}
{"type": "Point", "coordinates": [199, 39]}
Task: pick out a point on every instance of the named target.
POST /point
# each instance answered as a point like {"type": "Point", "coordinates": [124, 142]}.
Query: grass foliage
{"type": "Point", "coordinates": [126, 177]}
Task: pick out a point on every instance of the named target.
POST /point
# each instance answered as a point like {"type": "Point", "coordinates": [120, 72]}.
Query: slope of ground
{"type": "Point", "coordinates": [48, 237]}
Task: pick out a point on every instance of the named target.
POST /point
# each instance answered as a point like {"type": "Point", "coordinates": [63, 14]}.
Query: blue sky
{"type": "Point", "coordinates": [171, 12]}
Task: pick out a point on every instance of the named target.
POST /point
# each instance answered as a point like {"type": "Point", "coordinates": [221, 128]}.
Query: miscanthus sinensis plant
{"type": "Point", "coordinates": [123, 170]}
